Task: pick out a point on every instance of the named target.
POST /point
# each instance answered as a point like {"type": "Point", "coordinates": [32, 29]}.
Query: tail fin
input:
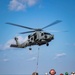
{"type": "Point", "coordinates": [15, 45]}
{"type": "Point", "coordinates": [16, 39]}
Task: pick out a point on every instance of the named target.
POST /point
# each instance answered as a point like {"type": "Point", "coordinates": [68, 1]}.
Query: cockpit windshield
{"type": "Point", "coordinates": [47, 33]}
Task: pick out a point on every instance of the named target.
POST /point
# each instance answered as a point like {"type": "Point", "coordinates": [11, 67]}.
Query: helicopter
{"type": "Point", "coordinates": [39, 37]}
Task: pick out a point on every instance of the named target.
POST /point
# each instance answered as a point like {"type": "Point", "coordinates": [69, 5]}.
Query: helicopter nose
{"type": "Point", "coordinates": [52, 37]}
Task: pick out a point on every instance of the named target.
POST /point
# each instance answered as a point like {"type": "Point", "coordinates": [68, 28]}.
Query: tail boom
{"type": "Point", "coordinates": [17, 45]}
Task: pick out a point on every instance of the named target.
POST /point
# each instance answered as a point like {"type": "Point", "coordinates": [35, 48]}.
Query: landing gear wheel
{"type": "Point", "coordinates": [47, 44]}
{"type": "Point", "coordinates": [30, 48]}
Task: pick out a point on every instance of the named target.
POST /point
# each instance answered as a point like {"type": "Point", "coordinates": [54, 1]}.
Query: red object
{"type": "Point", "coordinates": [61, 74]}
{"type": "Point", "coordinates": [52, 72]}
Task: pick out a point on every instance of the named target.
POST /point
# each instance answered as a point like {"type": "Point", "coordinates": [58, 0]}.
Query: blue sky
{"type": "Point", "coordinates": [60, 54]}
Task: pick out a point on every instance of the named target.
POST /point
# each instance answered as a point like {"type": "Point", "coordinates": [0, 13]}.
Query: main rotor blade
{"type": "Point", "coordinates": [20, 26]}
{"type": "Point", "coordinates": [58, 31]}
{"type": "Point", "coordinates": [57, 21]}
{"type": "Point", "coordinates": [27, 32]}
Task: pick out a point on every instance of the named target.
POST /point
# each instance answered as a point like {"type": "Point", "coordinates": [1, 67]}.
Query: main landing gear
{"type": "Point", "coordinates": [47, 44]}
{"type": "Point", "coordinates": [30, 48]}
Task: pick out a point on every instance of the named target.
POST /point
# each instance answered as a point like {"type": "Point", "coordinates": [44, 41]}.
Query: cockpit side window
{"type": "Point", "coordinates": [41, 34]}
{"type": "Point", "coordinates": [47, 33]}
{"type": "Point", "coordinates": [35, 36]}
{"type": "Point", "coordinates": [29, 36]}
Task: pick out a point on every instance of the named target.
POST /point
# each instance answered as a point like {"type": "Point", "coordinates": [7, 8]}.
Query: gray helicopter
{"type": "Point", "coordinates": [39, 37]}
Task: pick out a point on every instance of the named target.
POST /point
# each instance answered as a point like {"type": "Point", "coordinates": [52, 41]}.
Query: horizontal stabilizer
{"type": "Point", "coordinates": [13, 45]}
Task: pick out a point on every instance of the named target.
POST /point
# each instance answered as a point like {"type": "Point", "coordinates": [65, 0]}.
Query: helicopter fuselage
{"type": "Point", "coordinates": [37, 38]}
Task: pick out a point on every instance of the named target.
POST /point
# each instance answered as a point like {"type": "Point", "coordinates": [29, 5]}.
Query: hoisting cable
{"type": "Point", "coordinates": [37, 60]}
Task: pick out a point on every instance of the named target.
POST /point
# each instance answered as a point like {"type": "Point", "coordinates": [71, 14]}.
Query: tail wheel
{"type": "Point", "coordinates": [30, 48]}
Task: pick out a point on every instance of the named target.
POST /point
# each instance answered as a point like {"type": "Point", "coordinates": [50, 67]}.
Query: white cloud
{"type": "Point", "coordinates": [60, 55]}
{"type": "Point", "coordinates": [70, 44]}
{"type": "Point", "coordinates": [6, 46]}
{"type": "Point", "coordinates": [31, 2]}
{"type": "Point", "coordinates": [21, 4]}
{"type": "Point", "coordinates": [32, 59]}
{"type": "Point", "coordinates": [5, 60]}
{"type": "Point", "coordinates": [16, 5]}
